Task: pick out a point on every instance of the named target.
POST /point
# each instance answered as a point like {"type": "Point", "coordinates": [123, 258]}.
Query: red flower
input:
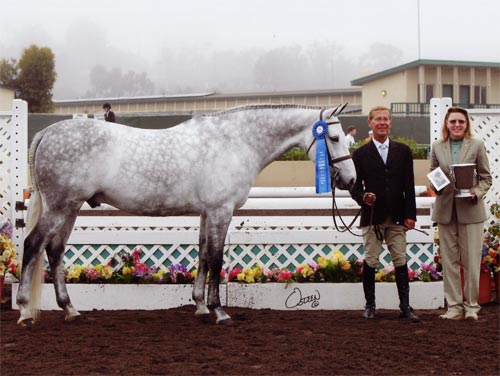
{"type": "Point", "coordinates": [233, 274]}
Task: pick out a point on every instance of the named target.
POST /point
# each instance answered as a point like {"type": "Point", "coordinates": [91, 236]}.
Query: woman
{"type": "Point", "coordinates": [460, 220]}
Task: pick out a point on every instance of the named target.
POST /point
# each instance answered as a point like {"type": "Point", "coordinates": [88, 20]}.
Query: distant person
{"type": "Point", "coordinates": [349, 136]}
{"type": "Point", "coordinates": [370, 136]}
{"type": "Point", "coordinates": [108, 114]}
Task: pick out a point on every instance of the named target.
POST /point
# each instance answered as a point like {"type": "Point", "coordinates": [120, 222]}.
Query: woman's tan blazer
{"type": "Point", "coordinates": [468, 211]}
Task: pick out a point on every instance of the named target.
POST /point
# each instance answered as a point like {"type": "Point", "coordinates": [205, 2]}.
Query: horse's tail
{"type": "Point", "coordinates": [35, 209]}
{"type": "Point", "coordinates": [32, 217]}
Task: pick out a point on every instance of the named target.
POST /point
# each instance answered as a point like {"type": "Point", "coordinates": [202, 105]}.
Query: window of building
{"type": "Point", "coordinates": [480, 94]}
{"type": "Point", "coordinates": [429, 93]}
{"type": "Point", "coordinates": [464, 94]}
{"type": "Point", "coordinates": [448, 91]}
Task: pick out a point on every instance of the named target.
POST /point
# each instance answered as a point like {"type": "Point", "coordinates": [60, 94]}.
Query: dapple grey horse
{"type": "Point", "coordinates": [205, 165]}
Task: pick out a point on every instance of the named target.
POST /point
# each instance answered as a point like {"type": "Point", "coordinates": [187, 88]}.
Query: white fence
{"type": "Point", "coordinates": [277, 227]}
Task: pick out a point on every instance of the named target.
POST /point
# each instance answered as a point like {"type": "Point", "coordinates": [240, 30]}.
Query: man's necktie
{"type": "Point", "coordinates": [383, 152]}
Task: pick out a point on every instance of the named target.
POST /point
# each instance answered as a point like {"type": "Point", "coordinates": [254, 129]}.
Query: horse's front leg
{"type": "Point", "coordinates": [217, 226]}
{"type": "Point", "coordinates": [199, 284]}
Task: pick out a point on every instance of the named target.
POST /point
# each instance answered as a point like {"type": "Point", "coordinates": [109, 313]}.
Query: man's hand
{"type": "Point", "coordinates": [369, 198]}
{"type": "Point", "coordinates": [410, 223]}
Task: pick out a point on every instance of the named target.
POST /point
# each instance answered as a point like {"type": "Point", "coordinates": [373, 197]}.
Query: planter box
{"type": "Point", "coordinates": [330, 296]}
{"type": "Point", "coordinates": [86, 297]}
{"type": "Point", "coordinates": [277, 296]}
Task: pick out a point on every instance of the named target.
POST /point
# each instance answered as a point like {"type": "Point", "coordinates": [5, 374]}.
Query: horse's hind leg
{"type": "Point", "coordinates": [216, 227]}
{"type": "Point", "coordinates": [55, 252]}
{"type": "Point", "coordinates": [47, 229]}
{"type": "Point", "coordinates": [28, 302]}
{"type": "Point", "coordinates": [199, 284]}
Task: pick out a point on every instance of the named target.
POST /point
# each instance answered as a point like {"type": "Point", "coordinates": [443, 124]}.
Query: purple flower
{"type": "Point", "coordinates": [7, 228]}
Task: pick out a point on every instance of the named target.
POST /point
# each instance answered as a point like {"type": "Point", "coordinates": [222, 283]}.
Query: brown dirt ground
{"type": "Point", "coordinates": [261, 342]}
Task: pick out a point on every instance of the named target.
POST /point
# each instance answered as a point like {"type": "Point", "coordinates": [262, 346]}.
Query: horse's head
{"type": "Point", "coordinates": [341, 165]}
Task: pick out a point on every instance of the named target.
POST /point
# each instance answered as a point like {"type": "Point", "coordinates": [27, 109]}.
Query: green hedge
{"type": "Point", "coordinates": [418, 151]}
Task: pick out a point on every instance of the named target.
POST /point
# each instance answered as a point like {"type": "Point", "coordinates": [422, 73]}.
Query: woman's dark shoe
{"type": "Point", "coordinates": [369, 312]}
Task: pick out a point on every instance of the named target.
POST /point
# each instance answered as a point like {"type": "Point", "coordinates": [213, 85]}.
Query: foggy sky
{"type": "Point", "coordinates": [236, 46]}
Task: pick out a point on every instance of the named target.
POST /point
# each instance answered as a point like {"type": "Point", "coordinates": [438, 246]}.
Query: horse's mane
{"type": "Point", "coordinates": [263, 107]}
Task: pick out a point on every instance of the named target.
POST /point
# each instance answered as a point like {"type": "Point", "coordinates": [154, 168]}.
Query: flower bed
{"type": "Point", "coordinates": [128, 268]}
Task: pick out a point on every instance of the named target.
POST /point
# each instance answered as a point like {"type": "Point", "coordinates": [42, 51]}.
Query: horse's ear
{"type": "Point", "coordinates": [335, 111]}
{"type": "Point", "coordinates": [330, 112]}
{"type": "Point", "coordinates": [342, 108]}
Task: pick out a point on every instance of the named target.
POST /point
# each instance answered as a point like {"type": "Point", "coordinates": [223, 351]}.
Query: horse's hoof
{"type": "Point", "coordinates": [76, 318]}
{"type": "Point", "coordinates": [26, 323]}
{"type": "Point", "coordinates": [225, 322]}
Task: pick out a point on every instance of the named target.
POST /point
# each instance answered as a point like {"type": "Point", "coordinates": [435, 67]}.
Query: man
{"type": "Point", "coordinates": [385, 190]}
{"type": "Point", "coordinates": [349, 137]}
{"type": "Point", "coordinates": [108, 114]}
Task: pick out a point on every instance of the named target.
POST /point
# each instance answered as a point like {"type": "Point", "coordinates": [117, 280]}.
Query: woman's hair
{"type": "Point", "coordinates": [445, 132]}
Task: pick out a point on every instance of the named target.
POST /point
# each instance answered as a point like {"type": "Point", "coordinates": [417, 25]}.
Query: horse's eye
{"type": "Point", "coordinates": [334, 138]}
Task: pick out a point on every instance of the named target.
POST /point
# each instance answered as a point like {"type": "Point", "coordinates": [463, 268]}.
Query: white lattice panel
{"type": "Point", "coordinates": [273, 246]}
{"type": "Point", "coordinates": [13, 164]}
{"type": "Point", "coordinates": [486, 125]}
{"type": "Point", "coordinates": [5, 166]}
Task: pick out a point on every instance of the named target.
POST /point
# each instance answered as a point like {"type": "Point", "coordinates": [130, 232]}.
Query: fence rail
{"type": "Point", "coordinates": [415, 108]}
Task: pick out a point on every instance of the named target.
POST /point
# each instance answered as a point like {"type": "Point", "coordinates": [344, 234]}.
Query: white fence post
{"type": "Point", "coordinates": [438, 109]}
{"type": "Point", "coordinates": [18, 159]}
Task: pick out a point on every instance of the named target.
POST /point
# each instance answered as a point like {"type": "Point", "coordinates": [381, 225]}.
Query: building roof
{"type": "Point", "coordinates": [175, 97]}
{"type": "Point", "coordinates": [416, 63]}
{"type": "Point", "coordinates": [8, 87]}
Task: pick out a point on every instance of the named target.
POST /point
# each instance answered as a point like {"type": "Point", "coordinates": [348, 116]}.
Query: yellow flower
{"type": "Point", "coordinates": [345, 265]}
{"type": "Point", "coordinates": [241, 276]}
{"type": "Point", "coordinates": [126, 270]}
{"type": "Point", "coordinates": [322, 262]}
{"type": "Point", "coordinates": [195, 273]}
{"type": "Point", "coordinates": [333, 259]}
{"type": "Point", "coordinates": [158, 275]}
{"type": "Point", "coordinates": [340, 255]}
{"type": "Point", "coordinates": [378, 276]}
{"type": "Point", "coordinates": [106, 272]}
{"type": "Point", "coordinates": [305, 270]}
{"type": "Point", "coordinates": [74, 272]}
{"type": "Point", "coordinates": [256, 271]}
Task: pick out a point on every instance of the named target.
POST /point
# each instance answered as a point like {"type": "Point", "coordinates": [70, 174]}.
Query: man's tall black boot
{"type": "Point", "coordinates": [369, 289]}
{"type": "Point", "coordinates": [403, 285]}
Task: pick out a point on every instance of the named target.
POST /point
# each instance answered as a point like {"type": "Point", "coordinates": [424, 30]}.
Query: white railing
{"type": "Point", "coordinates": [276, 227]}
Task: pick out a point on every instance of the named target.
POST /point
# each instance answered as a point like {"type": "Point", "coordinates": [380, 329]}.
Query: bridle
{"type": "Point", "coordinates": [334, 171]}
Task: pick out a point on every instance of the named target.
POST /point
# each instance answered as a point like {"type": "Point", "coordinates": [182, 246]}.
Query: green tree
{"type": "Point", "coordinates": [36, 78]}
{"type": "Point", "coordinates": [8, 72]}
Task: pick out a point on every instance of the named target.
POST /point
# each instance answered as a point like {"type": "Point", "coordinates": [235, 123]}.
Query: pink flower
{"type": "Point", "coordinates": [285, 276]}
{"type": "Point", "coordinates": [91, 273]}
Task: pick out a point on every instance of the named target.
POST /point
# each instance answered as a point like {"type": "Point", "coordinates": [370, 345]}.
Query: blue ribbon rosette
{"type": "Point", "coordinates": [320, 130]}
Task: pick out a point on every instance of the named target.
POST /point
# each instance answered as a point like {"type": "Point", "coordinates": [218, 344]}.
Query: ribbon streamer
{"type": "Point", "coordinates": [320, 130]}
